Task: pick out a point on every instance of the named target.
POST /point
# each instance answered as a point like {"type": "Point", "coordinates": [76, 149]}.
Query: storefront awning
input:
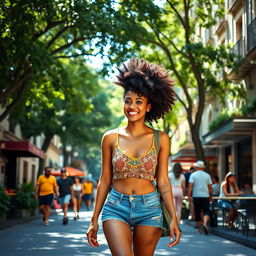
{"type": "Point", "coordinates": [234, 130]}
{"type": "Point", "coordinates": [189, 156]}
{"type": "Point", "coordinates": [70, 172]}
{"type": "Point", "coordinates": [21, 149]}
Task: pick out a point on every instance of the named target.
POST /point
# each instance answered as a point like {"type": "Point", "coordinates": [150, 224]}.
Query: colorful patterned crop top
{"type": "Point", "coordinates": [143, 167]}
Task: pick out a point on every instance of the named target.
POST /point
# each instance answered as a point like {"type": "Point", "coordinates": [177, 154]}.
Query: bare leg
{"type": "Point", "coordinates": [199, 224]}
{"type": "Point", "coordinates": [206, 218]}
{"type": "Point", "coordinates": [78, 204]}
{"type": "Point", "coordinates": [88, 204]}
{"type": "Point", "coordinates": [145, 239]}
{"type": "Point", "coordinates": [119, 237]}
{"type": "Point", "coordinates": [47, 212]}
{"type": "Point", "coordinates": [42, 209]}
{"type": "Point", "coordinates": [232, 215]}
{"type": "Point", "coordinates": [65, 209]}
{"type": "Point", "coordinates": [75, 202]}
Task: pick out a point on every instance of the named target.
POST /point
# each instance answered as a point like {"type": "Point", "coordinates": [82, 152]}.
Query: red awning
{"type": "Point", "coordinates": [21, 149]}
{"type": "Point", "coordinates": [70, 172]}
{"type": "Point", "coordinates": [189, 156]}
{"type": "Point", "coordinates": [186, 159]}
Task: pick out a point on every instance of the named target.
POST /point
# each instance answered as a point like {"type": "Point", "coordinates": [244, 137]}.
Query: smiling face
{"type": "Point", "coordinates": [135, 106]}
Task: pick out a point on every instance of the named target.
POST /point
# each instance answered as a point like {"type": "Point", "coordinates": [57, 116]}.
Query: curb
{"type": "Point", "coordinates": [229, 235]}
{"type": "Point", "coordinates": [13, 222]}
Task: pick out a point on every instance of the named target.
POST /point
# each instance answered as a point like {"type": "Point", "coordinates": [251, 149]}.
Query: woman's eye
{"type": "Point", "coordinates": [127, 101]}
{"type": "Point", "coordinates": [139, 102]}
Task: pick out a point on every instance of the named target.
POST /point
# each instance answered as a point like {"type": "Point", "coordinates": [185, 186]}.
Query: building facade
{"type": "Point", "coordinates": [233, 142]}
{"type": "Point", "coordinates": [19, 158]}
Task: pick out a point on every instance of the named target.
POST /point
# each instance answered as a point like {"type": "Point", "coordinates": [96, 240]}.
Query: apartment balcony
{"type": "Point", "coordinates": [221, 25]}
{"type": "Point", "coordinates": [251, 40]}
{"type": "Point", "coordinates": [234, 6]}
{"type": "Point", "coordinates": [208, 36]}
{"type": "Point", "coordinates": [244, 64]}
{"type": "Point", "coordinates": [239, 49]}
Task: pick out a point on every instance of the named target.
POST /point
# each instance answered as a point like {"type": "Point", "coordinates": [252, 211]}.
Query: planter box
{"type": "Point", "coordinates": [184, 213]}
{"type": "Point", "coordinates": [3, 218]}
{"type": "Point", "coordinates": [22, 213]}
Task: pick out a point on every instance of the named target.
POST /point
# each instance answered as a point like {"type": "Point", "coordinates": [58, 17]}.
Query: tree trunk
{"type": "Point", "coordinates": [197, 144]}
{"type": "Point", "coordinates": [45, 146]}
{"type": "Point", "coordinates": [65, 155]}
{"type": "Point", "coordinates": [15, 101]}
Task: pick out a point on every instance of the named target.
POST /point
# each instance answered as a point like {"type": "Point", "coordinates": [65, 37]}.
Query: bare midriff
{"type": "Point", "coordinates": [133, 186]}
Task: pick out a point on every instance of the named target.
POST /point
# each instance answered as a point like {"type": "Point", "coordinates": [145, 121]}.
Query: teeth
{"type": "Point", "coordinates": [132, 113]}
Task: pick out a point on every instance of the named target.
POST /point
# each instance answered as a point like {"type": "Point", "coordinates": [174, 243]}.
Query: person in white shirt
{"type": "Point", "coordinates": [77, 186]}
{"type": "Point", "coordinates": [215, 186]}
{"type": "Point", "coordinates": [229, 188]}
{"type": "Point", "coordinates": [178, 183]}
{"type": "Point", "coordinates": [200, 188]}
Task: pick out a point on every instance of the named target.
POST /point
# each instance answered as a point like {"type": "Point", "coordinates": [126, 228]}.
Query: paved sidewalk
{"type": "Point", "coordinates": [34, 239]}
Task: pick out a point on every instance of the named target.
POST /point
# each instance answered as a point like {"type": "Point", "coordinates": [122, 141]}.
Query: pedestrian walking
{"type": "Point", "coordinates": [200, 188]}
{"type": "Point", "coordinates": [216, 186]}
{"type": "Point", "coordinates": [77, 187]}
{"type": "Point", "coordinates": [177, 180]}
{"type": "Point", "coordinates": [87, 193]}
{"type": "Point", "coordinates": [65, 193]}
{"type": "Point", "coordinates": [132, 217]}
{"type": "Point", "coordinates": [190, 201]}
{"type": "Point", "coordinates": [46, 186]}
{"type": "Point", "coordinates": [229, 188]}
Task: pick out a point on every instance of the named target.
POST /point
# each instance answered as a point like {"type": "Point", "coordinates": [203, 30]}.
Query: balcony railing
{"type": "Point", "coordinates": [238, 49]}
{"type": "Point", "coordinates": [251, 35]}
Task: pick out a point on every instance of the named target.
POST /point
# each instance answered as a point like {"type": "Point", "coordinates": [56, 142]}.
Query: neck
{"type": "Point", "coordinates": [136, 128]}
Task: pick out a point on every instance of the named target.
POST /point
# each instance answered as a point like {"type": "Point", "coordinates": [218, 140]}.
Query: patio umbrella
{"type": "Point", "coordinates": [70, 172]}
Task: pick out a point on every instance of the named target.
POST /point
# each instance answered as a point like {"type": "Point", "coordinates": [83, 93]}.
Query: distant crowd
{"type": "Point", "coordinates": [200, 187]}
{"type": "Point", "coordinates": [63, 191]}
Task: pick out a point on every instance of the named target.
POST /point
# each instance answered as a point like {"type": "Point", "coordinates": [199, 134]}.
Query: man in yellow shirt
{"type": "Point", "coordinates": [87, 188]}
{"type": "Point", "coordinates": [46, 186]}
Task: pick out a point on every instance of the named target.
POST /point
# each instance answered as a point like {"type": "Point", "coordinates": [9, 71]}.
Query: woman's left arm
{"type": "Point", "coordinates": [165, 189]}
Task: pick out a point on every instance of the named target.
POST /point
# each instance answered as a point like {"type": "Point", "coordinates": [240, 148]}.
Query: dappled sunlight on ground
{"type": "Point", "coordinates": [35, 239]}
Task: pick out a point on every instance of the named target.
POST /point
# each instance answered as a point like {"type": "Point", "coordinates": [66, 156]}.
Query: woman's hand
{"type": "Point", "coordinates": [175, 234]}
{"type": "Point", "coordinates": [92, 234]}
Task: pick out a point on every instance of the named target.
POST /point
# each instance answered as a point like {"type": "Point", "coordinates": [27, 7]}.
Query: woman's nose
{"type": "Point", "coordinates": [131, 106]}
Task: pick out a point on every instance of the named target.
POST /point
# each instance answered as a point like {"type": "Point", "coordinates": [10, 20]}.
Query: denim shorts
{"type": "Point", "coordinates": [134, 209]}
{"type": "Point", "coordinates": [65, 199]}
{"type": "Point", "coordinates": [227, 205]}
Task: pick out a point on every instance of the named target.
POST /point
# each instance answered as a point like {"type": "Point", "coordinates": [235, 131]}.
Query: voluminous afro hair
{"type": "Point", "coordinates": [150, 80]}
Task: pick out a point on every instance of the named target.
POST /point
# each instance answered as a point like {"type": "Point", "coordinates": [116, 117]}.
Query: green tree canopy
{"type": "Point", "coordinates": [168, 34]}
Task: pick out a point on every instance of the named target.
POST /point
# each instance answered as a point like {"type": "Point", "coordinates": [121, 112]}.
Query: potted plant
{"type": "Point", "coordinates": [25, 201]}
{"type": "Point", "coordinates": [4, 204]}
{"type": "Point", "coordinates": [185, 209]}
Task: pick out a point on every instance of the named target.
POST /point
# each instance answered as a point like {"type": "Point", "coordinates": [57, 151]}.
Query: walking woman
{"type": "Point", "coordinates": [178, 187]}
{"type": "Point", "coordinates": [77, 197]}
{"type": "Point", "coordinates": [132, 217]}
{"type": "Point", "coordinates": [229, 188]}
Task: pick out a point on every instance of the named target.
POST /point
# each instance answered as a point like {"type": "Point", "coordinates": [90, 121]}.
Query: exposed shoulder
{"type": "Point", "coordinates": [164, 138]}
{"type": "Point", "coordinates": [109, 137]}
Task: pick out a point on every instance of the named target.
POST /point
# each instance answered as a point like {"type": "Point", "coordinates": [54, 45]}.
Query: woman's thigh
{"type": "Point", "coordinates": [145, 239]}
{"type": "Point", "coordinates": [119, 237]}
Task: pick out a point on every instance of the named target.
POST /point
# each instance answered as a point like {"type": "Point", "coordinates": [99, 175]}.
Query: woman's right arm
{"type": "Point", "coordinates": [224, 187]}
{"type": "Point", "coordinates": [102, 188]}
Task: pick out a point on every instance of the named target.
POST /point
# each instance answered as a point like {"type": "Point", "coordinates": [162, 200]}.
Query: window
{"type": "Point", "coordinates": [239, 29]}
